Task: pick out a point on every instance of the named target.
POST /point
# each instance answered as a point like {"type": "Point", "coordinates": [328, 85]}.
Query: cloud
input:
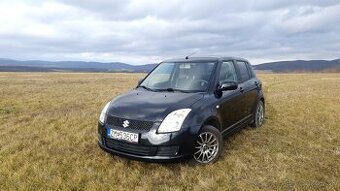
{"type": "Point", "coordinates": [146, 31]}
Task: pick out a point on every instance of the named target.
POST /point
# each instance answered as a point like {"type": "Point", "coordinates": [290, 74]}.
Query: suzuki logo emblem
{"type": "Point", "coordinates": [126, 123]}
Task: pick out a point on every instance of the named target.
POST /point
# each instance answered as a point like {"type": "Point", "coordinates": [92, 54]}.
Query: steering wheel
{"type": "Point", "coordinates": [202, 83]}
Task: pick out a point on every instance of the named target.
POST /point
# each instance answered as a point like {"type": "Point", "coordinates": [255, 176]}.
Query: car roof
{"type": "Point", "coordinates": [204, 59]}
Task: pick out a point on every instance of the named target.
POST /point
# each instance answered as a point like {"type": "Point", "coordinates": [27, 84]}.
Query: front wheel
{"type": "Point", "coordinates": [208, 146]}
{"type": "Point", "coordinates": [258, 115]}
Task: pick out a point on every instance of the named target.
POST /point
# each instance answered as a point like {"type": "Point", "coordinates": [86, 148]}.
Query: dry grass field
{"type": "Point", "coordinates": [48, 132]}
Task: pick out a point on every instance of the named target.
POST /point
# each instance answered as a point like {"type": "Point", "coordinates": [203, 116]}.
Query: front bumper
{"type": "Point", "coordinates": [145, 158]}
{"type": "Point", "coordinates": [153, 147]}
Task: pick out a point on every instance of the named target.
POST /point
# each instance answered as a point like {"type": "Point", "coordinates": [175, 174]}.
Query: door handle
{"type": "Point", "coordinates": [241, 90]}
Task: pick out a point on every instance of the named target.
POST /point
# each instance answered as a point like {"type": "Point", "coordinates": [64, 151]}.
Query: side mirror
{"type": "Point", "coordinates": [227, 85]}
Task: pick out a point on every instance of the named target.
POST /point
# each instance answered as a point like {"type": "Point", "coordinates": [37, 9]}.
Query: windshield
{"type": "Point", "coordinates": [188, 77]}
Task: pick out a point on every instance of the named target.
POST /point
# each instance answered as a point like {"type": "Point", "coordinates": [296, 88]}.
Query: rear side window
{"type": "Point", "coordinates": [244, 73]}
{"type": "Point", "coordinates": [252, 72]}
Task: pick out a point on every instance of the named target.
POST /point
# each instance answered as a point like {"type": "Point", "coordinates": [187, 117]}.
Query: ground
{"type": "Point", "coordinates": [48, 135]}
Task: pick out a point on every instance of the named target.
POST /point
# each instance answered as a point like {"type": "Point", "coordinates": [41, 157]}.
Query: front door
{"type": "Point", "coordinates": [230, 103]}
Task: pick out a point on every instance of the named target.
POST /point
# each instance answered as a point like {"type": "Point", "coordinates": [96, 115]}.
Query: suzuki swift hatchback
{"type": "Point", "coordinates": [182, 109]}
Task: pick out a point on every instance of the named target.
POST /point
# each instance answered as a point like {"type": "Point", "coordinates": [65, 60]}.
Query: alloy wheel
{"type": "Point", "coordinates": [260, 114]}
{"type": "Point", "coordinates": [206, 147]}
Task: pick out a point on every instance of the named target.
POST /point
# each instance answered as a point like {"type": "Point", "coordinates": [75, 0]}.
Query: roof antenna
{"type": "Point", "coordinates": [187, 57]}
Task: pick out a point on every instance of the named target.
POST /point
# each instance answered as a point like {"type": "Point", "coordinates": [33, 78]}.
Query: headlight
{"type": "Point", "coordinates": [103, 113]}
{"type": "Point", "coordinates": [173, 121]}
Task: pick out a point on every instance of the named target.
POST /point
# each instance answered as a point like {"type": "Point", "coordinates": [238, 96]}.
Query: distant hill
{"type": "Point", "coordinates": [8, 65]}
{"type": "Point", "coordinates": [300, 66]}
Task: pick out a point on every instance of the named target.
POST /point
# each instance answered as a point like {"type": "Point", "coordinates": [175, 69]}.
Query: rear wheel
{"type": "Point", "coordinates": [258, 115]}
{"type": "Point", "coordinates": [208, 145]}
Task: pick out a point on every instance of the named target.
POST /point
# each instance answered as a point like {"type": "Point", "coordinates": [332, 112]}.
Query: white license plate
{"type": "Point", "coordinates": [122, 135]}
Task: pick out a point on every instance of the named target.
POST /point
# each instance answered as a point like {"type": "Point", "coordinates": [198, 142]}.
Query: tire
{"type": "Point", "coordinates": [258, 116]}
{"type": "Point", "coordinates": [208, 145]}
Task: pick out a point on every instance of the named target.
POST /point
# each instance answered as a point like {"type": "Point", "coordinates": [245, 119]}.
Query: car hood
{"type": "Point", "coordinates": [150, 106]}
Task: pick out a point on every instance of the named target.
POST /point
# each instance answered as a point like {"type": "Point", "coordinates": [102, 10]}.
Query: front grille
{"type": "Point", "coordinates": [131, 148]}
{"type": "Point", "coordinates": [133, 124]}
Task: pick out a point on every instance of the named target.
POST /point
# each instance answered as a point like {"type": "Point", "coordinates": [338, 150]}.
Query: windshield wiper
{"type": "Point", "coordinates": [174, 90]}
{"type": "Point", "coordinates": [169, 89]}
{"type": "Point", "coordinates": [145, 87]}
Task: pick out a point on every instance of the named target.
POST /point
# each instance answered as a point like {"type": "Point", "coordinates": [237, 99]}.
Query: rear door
{"type": "Point", "coordinates": [247, 87]}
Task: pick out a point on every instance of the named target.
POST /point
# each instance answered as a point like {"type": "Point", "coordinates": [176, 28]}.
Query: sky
{"type": "Point", "coordinates": [148, 31]}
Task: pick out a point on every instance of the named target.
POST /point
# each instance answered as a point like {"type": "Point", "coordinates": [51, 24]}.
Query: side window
{"type": "Point", "coordinates": [227, 72]}
{"type": "Point", "coordinates": [251, 69]}
{"type": "Point", "coordinates": [244, 73]}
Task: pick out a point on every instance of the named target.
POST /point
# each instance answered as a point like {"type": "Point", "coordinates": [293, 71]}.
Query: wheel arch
{"type": "Point", "coordinates": [259, 98]}
{"type": "Point", "coordinates": [213, 121]}
{"type": "Point", "coordinates": [264, 103]}
{"type": "Point", "coordinates": [262, 99]}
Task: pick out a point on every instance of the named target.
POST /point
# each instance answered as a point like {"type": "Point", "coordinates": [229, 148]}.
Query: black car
{"type": "Point", "coordinates": [182, 109]}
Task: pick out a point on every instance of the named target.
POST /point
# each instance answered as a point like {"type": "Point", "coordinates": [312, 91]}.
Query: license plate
{"type": "Point", "coordinates": [122, 135]}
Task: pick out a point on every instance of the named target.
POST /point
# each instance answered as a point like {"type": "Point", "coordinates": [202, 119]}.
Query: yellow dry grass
{"type": "Point", "coordinates": [48, 130]}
